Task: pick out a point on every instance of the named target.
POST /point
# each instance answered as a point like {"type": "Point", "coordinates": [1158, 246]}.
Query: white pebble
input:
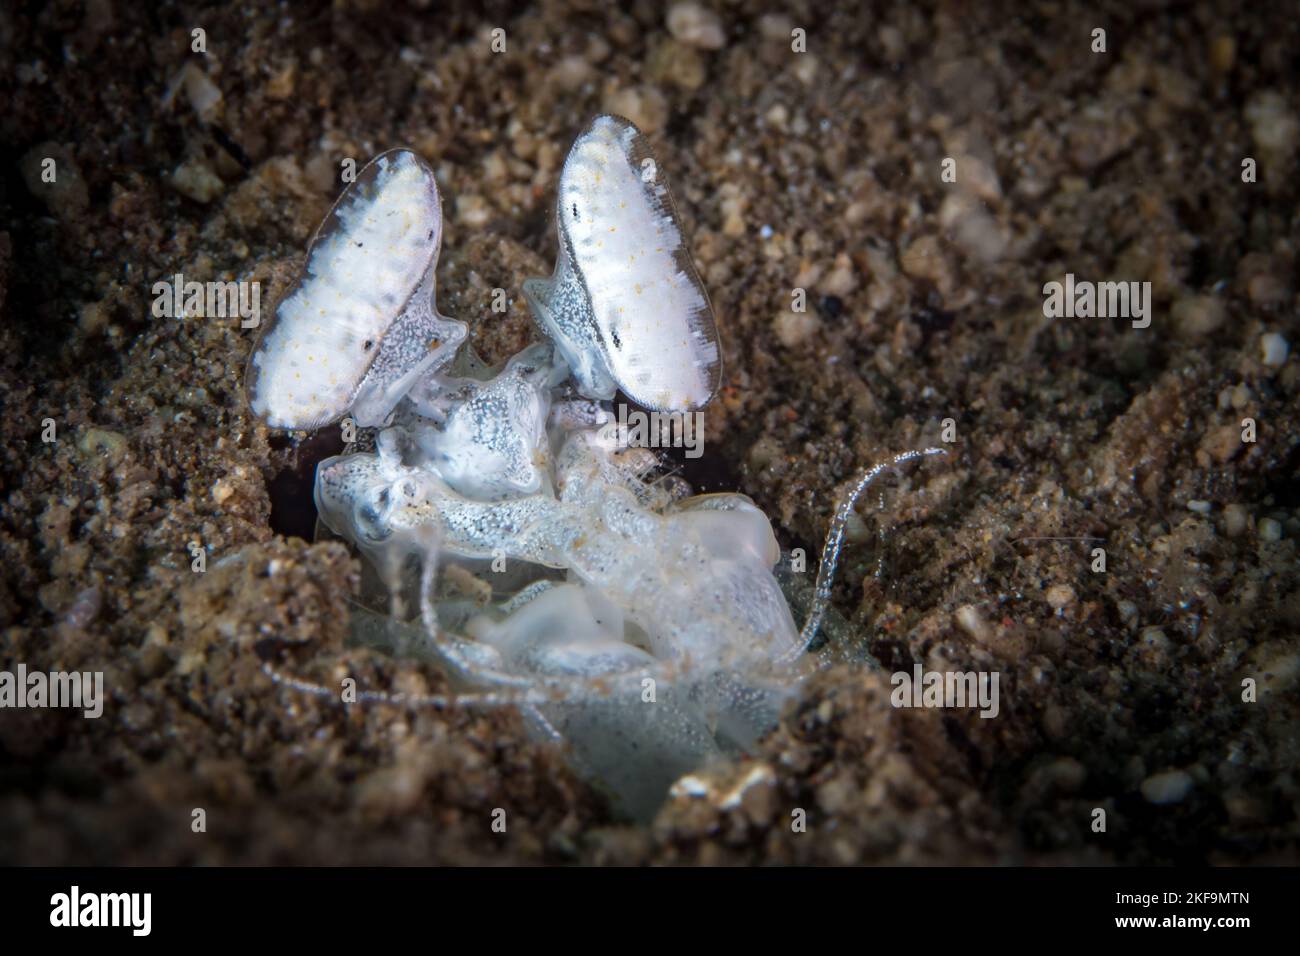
{"type": "Point", "coordinates": [1274, 349]}
{"type": "Point", "coordinates": [1172, 786]}
{"type": "Point", "coordinates": [1269, 530]}
{"type": "Point", "coordinates": [696, 26]}
{"type": "Point", "coordinates": [1060, 596]}
{"type": "Point", "coordinates": [970, 621]}
{"type": "Point", "coordinates": [793, 328]}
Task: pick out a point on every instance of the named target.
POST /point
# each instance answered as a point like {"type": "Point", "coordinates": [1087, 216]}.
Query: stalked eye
{"type": "Point", "coordinates": [364, 265]}
{"type": "Point", "coordinates": [625, 261]}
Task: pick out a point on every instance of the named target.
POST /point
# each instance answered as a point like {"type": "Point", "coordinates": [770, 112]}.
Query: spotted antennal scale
{"type": "Point", "coordinates": [360, 324]}
{"type": "Point", "coordinates": [625, 305]}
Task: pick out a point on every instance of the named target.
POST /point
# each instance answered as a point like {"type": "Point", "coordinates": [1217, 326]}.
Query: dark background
{"type": "Point", "coordinates": [816, 170]}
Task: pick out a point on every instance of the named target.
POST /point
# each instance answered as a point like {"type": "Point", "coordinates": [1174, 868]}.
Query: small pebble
{"type": "Point", "coordinates": [696, 26]}
{"type": "Point", "coordinates": [677, 64]}
{"type": "Point", "coordinates": [1065, 774]}
{"type": "Point", "coordinates": [473, 210]}
{"type": "Point", "coordinates": [222, 490]}
{"type": "Point", "coordinates": [793, 328]}
{"type": "Point", "coordinates": [805, 68]}
{"type": "Point", "coordinates": [1272, 124]}
{"type": "Point", "coordinates": [970, 621]}
{"type": "Point", "coordinates": [1154, 643]}
{"type": "Point", "coordinates": [1128, 612]}
{"type": "Point", "coordinates": [1279, 670]}
{"type": "Point", "coordinates": [1060, 596]}
{"type": "Point", "coordinates": [643, 105]}
{"type": "Point", "coordinates": [93, 317]}
{"type": "Point", "coordinates": [1269, 530]}
{"type": "Point", "coordinates": [1198, 315]}
{"type": "Point", "coordinates": [67, 196]}
{"type": "Point", "coordinates": [571, 72]}
{"type": "Point", "coordinates": [204, 96]}
{"type": "Point", "coordinates": [1172, 786]}
{"type": "Point", "coordinates": [196, 180]}
{"type": "Point", "coordinates": [775, 26]}
{"type": "Point", "coordinates": [1273, 349]}
{"type": "Point", "coordinates": [842, 279]}
{"type": "Point", "coordinates": [100, 442]}
{"type": "Point", "coordinates": [84, 608]}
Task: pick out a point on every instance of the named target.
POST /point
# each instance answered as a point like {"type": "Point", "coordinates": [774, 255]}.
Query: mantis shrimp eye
{"type": "Point", "coordinates": [366, 268]}
{"type": "Point", "coordinates": [626, 306]}
{"type": "Point", "coordinates": [371, 515]}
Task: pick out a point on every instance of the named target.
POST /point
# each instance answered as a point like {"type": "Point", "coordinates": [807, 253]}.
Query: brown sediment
{"type": "Point", "coordinates": [818, 171]}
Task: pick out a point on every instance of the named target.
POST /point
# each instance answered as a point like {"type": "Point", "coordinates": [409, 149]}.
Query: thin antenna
{"type": "Point", "coordinates": [835, 543]}
{"type": "Point", "coordinates": [383, 697]}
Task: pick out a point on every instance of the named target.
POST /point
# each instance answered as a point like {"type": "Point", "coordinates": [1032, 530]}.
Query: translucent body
{"type": "Point", "coordinates": [693, 576]}
{"type": "Point", "coordinates": [641, 624]}
{"type": "Point", "coordinates": [667, 642]}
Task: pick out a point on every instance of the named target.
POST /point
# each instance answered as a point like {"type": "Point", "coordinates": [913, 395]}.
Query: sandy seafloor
{"type": "Point", "coordinates": [1120, 690]}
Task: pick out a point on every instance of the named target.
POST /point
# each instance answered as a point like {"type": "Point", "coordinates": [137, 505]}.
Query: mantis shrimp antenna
{"type": "Point", "coordinates": [527, 692]}
{"type": "Point", "coordinates": [535, 690]}
{"type": "Point", "coordinates": [486, 699]}
{"type": "Point", "coordinates": [438, 701]}
{"type": "Point", "coordinates": [518, 689]}
{"type": "Point", "coordinates": [835, 544]}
